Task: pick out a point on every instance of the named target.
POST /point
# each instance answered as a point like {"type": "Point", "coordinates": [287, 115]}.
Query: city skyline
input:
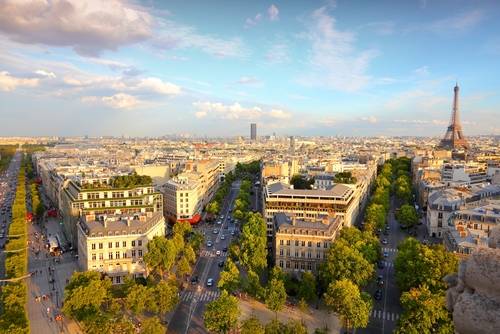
{"type": "Point", "coordinates": [293, 67]}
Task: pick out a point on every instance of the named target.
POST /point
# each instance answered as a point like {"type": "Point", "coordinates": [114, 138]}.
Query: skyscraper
{"type": "Point", "coordinates": [253, 131]}
{"type": "Point", "coordinates": [454, 137]}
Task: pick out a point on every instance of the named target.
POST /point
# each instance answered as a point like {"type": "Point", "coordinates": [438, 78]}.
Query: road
{"type": "Point", "coordinates": [188, 316]}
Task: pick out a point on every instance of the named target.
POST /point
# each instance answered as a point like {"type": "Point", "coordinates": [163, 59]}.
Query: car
{"type": "Point", "coordinates": [381, 264]}
{"type": "Point", "coordinates": [224, 249]}
{"type": "Point", "coordinates": [384, 241]}
{"type": "Point", "coordinates": [380, 283]}
{"type": "Point", "coordinates": [2, 235]}
{"type": "Point", "coordinates": [217, 252]}
{"type": "Point", "coordinates": [215, 231]}
{"type": "Point", "coordinates": [232, 233]}
{"type": "Point", "coordinates": [379, 278]}
{"type": "Point", "coordinates": [222, 237]}
{"type": "Point", "coordinates": [210, 282]}
{"type": "Point", "coordinates": [387, 227]}
{"type": "Point", "coordinates": [220, 264]}
{"type": "Point", "coordinates": [386, 232]}
{"type": "Point", "coordinates": [386, 254]}
{"type": "Point", "coordinates": [378, 295]}
{"type": "Point", "coordinates": [209, 243]}
{"type": "Point", "coordinates": [194, 279]}
{"type": "Point", "coordinates": [219, 222]}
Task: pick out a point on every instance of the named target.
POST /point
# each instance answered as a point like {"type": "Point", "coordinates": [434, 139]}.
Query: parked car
{"type": "Point", "coordinates": [209, 243]}
{"type": "Point", "coordinates": [222, 237]}
{"type": "Point", "coordinates": [384, 241]}
{"type": "Point", "coordinates": [210, 282]}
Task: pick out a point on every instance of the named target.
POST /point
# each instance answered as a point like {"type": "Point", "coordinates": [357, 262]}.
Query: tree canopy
{"type": "Point", "coordinates": [221, 315]}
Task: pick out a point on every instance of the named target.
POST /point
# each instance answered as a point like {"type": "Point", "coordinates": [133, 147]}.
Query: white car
{"type": "Point", "coordinates": [222, 237]}
{"type": "Point", "coordinates": [210, 282]}
{"type": "Point", "coordinates": [218, 253]}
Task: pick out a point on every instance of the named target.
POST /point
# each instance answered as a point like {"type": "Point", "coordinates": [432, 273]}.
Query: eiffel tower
{"type": "Point", "coordinates": [454, 137]}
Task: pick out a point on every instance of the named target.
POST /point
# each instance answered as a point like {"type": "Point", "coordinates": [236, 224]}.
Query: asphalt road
{"type": "Point", "coordinates": [188, 316]}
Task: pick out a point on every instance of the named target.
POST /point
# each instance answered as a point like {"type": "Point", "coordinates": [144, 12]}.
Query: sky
{"type": "Point", "coordinates": [210, 68]}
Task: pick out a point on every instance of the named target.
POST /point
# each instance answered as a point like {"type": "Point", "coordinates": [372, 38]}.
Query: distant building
{"type": "Point", "coordinates": [470, 228]}
{"type": "Point", "coordinates": [302, 244]}
{"type": "Point", "coordinates": [116, 244]}
{"type": "Point", "coordinates": [462, 174]}
{"type": "Point", "coordinates": [253, 131]}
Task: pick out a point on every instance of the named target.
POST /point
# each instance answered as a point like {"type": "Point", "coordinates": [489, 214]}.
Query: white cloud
{"type": "Point", "coordinates": [278, 53]}
{"type": "Point", "coordinates": [369, 119]}
{"type": "Point", "coordinates": [172, 35]}
{"type": "Point", "coordinates": [121, 101]}
{"type": "Point", "coordinates": [250, 22]}
{"type": "Point", "coordinates": [279, 114]}
{"type": "Point", "coordinates": [158, 86]}
{"type": "Point", "coordinates": [335, 62]}
{"type": "Point", "coordinates": [273, 13]}
{"type": "Point", "coordinates": [422, 71]}
{"type": "Point", "coordinates": [236, 111]}
{"type": "Point", "coordinates": [244, 80]}
{"type": "Point", "coordinates": [88, 26]}
{"type": "Point", "coordinates": [9, 83]}
{"type": "Point", "coordinates": [47, 74]}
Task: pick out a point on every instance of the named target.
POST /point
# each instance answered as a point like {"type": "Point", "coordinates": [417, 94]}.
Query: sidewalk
{"type": "Point", "coordinates": [315, 318]}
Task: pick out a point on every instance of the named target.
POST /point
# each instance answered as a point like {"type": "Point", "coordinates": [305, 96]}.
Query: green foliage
{"type": "Point", "coordinates": [161, 254]}
{"type": "Point", "coordinates": [14, 318]}
{"type": "Point", "coordinates": [345, 262]}
{"type": "Point", "coordinates": [213, 207]}
{"type": "Point", "coordinates": [292, 327]}
{"type": "Point", "coordinates": [275, 295]}
{"type": "Point", "coordinates": [221, 315]}
{"type": "Point", "coordinates": [407, 215]}
{"type": "Point", "coordinates": [344, 298]}
{"type": "Point", "coordinates": [6, 154]}
{"type": "Point", "coordinates": [307, 287]}
{"type": "Point", "coordinates": [300, 182]}
{"type": "Point", "coordinates": [424, 312]}
{"type": "Point", "coordinates": [252, 285]}
{"type": "Point", "coordinates": [253, 243]}
{"type": "Point", "coordinates": [229, 277]}
{"type": "Point", "coordinates": [252, 325]}
{"type": "Point", "coordinates": [365, 242]}
{"type": "Point", "coordinates": [138, 298]}
{"type": "Point", "coordinates": [132, 180]}
{"type": "Point", "coordinates": [247, 170]}
{"type": "Point", "coordinates": [32, 148]}
{"type": "Point", "coordinates": [344, 177]}
{"type": "Point", "coordinates": [152, 326]}
{"type": "Point", "coordinates": [375, 215]}
{"type": "Point", "coordinates": [417, 264]}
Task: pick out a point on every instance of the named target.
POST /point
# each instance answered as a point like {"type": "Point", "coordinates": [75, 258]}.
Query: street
{"type": "Point", "coordinates": [188, 316]}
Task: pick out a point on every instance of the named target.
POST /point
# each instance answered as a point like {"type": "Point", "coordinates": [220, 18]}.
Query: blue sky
{"type": "Point", "coordinates": [212, 67]}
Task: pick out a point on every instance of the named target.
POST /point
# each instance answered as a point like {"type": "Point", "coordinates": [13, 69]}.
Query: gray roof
{"type": "Point", "coordinates": [284, 224]}
{"type": "Point", "coordinates": [338, 190]}
{"type": "Point", "coordinates": [96, 228]}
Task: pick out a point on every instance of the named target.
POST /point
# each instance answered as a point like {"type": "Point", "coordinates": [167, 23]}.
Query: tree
{"type": "Point", "coordinates": [85, 294]}
{"type": "Point", "coordinates": [152, 326]}
{"type": "Point", "coordinates": [182, 228]}
{"type": "Point", "coordinates": [275, 295]}
{"type": "Point", "coordinates": [229, 277]}
{"type": "Point", "coordinates": [365, 242]}
{"type": "Point", "coordinates": [137, 299]}
{"type": "Point", "coordinates": [189, 253]}
{"type": "Point", "coordinates": [307, 287]}
{"type": "Point", "coordinates": [252, 285]}
{"type": "Point", "coordinates": [344, 298]}
{"type": "Point", "coordinates": [161, 254]}
{"type": "Point", "coordinates": [424, 312]}
{"type": "Point", "coordinates": [252, 325]}
{"type": "Point", "coordinates": [183, 267]}
{"type": "Point", "coordinates": [275, 327]}
{"type": "Point", "coordinates": [300, 182]}
{"type": "Point", "coordinates": [213, 207]}
{"type": "Point", "coordinates": [344, 177]}
{"type": "Point", "coordinates": [407, 215]}
{"type": "Point", "coordinates": [221, 315]}
{"type": "Point", "coordinates": [418, 264]}
{"type": "Point", "coordinates": [253, 243]}
{"type": "Point", "coordinates": [165, 297]}
{"type": "Point", "coordinates": [345, 262]}
{"type": "Point", "coordinates": [376, 215]}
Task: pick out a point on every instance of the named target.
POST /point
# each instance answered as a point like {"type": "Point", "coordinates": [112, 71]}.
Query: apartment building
{"type": "Point", "coordinates": [470, 228]}
{"type": "Point", "coordinates": [442, 205]}
{"type": "Point", "coordinates": [82, 196]}
{"type": "Point", "coordinates": [187, 194]}
{"type": "Point", "coordinates": [115, 244]}
{"type": "Point", "coordinates": [460, 174]}
{"type": "Point", "coordinates": [302, 244]}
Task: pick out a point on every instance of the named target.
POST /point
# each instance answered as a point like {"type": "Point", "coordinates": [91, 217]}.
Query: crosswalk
{"type": "Point", "coordinates": [211, 253]}
{"type": "Point", "coordinates": [206, 296]}
{"type": "Point", "coordinates": [389, 316]}
{"type": "Point", "coordinates": [389, 250]}
{"type": "Point", "coordinates": [388, 264]}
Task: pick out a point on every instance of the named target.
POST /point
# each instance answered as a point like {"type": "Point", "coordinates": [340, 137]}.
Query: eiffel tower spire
{"type": "Point", "coordinates": [454, 137]}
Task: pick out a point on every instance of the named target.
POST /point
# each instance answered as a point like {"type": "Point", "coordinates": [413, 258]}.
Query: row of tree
{"type": "Point", "coordinates": [13, 318]}
{"type": "Point", "coordinates": [377, 209]}
{"type": "Point", "coordinates": [217, 201]}
{"type": "Point", "coordinates": [420, 271]}
{"type": "Point", "coordinates": [6, 154]}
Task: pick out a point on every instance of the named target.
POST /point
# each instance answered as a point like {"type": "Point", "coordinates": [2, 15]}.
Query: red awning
{"type": "Point", "coordinates": [193, 221]}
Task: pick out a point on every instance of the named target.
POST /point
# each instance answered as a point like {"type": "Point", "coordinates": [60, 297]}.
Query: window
{"type": "Point", "coordinates": [296, 242]}
{"type": "Point", "coordinates": [288, 242]}
{"type": "Point", "coordinates": [296, 253]}
{"type": "Point", "coordinates": [303, 254]}
{"type": "Point", "coordinates": [309, 244]}
{"type": "Point", "coordinates": [93, 257]}
{"type": "Point", "coordinates": [281, 242]}
{"type": "Point", "coordinates": [309, 266]}
{"type": "Point", "coordinates": [133, 252]}
{"type": "Point", "coordinates": [287, 252]}
{"type": "Point", "coordinates": [124, 255]}
{"type": "Point", "coordinates": [117, 255]}
{"type": "Point", "coordinates": [281, 252]}
{"type": "Point", "coordinates": [288, 264]}
{"type": "Point", "coordinates": [110, 245]}
{"type": "Point", "coordinates": [302, 266]}
{"type": "Point", "coordinates": [93, 246]}
{"type": "Point", "coordinates": [117, 244]}
{"type": "Point", "coordinates": [281, 264]}
{"type": "Point", "coordinates": [133, 243]}
{"type": "Point", "coordinates": [110, 255]}
{"type": "Point", "coordinates": [440, 215]}
{"type": "Point", "coordinates": [100, 245]}
{"type": "Point", "coordinates": [325, 245]}
{"type": "Point", "coordinates": [124, 244]}
{"type": "Point", "coordinates": [139, 243]}
{"type": "Point", "coordinates": [140, 252]}
{"type": "Point", "coordinates": [101, 256]}
{"type": "Point", "coordinates": [303, 243]}
{"type": "Point", "coordinates": [318, 244]}
{"type": "Point", "coordinates": [296, 265]}
{"type": "Point", "coordinates": [118, 279]}
{"type": "Point", "coordinates": [309, 255]}
{"type": "Point", "coordinates": [318, 255]}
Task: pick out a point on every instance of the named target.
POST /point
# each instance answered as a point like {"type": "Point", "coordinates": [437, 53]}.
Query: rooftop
{"type": "Point", "coordinates": [108, 225]}
{"type": "Point", "coordinates": [336, 191]}
{"type": "Point", "coordinates": [324, 225]}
